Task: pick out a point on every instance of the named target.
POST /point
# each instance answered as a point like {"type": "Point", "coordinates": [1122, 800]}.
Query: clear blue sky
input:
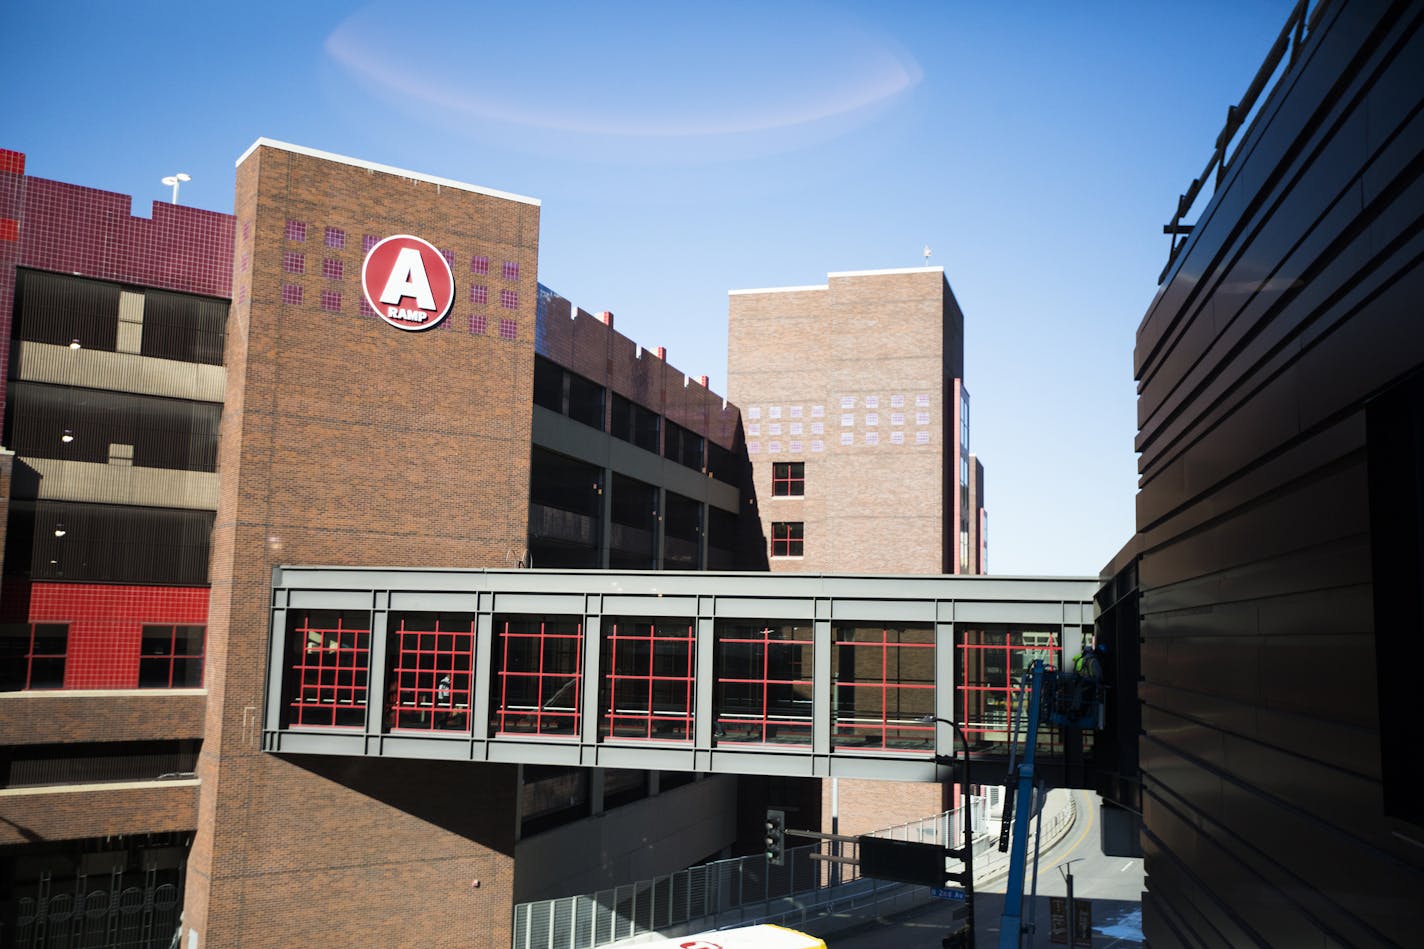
{"type": "Point", "coordinates": [682, 150]}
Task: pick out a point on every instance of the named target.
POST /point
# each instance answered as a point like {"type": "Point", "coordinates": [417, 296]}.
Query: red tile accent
{"type": "Point", "coordinates": [12, 162]}
{"type": "Point", "coordinates": [9, 229]}
{"type": "Point", "coordinates": [106, 624]}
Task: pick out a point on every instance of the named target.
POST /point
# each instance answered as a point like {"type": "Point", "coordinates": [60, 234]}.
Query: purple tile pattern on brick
{"type": "Point", "coordinates": [296, 230]}
{"type": "Point", "coordinates": [478, 324]}
{"type": "Point", "coordinates": [479, 265]}
{"type": "Point", "coordinates": [511, 270]}
{"type": "Point", "coordinates": [333, 269]}
{"type": "Point", "coordinates": [508, 329]}
{"type": "Point", "coordinates": [509, 299]}
{"type": "Point", "coordinates": [331, 301]}
{"type": "Point", "coordinates": [479, 294]}
{"type": "Point", "coordinates": [292, 294]}
{"type": "Point", "coordinates": [335, 238]}
{"type": "Point", "coordinates": [293, 262]}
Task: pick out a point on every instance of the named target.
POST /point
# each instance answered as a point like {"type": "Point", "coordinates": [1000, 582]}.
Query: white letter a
{"type": "Point", "coordinates": [408, 279]}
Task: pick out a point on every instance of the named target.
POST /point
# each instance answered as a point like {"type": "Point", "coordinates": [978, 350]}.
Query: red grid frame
{"type": "Point", "coordinates": [1008, 654]}
{"type": "Point", "coordinates": [769, 654]}
{"type": "Point", "coordinates": [788, 479]}
{"type": "Point", "coordinates": [788, 539]}
{"type": "Point", "coordinates": [541, 646]}
{"type": "Point", "coordinates": [330, 672]}
{"type": "Point", "coordinates": [30, 656]}
{"type": "Point", "coordinates": [172, 657]}
{"type": "Point", "coordinates": [429, 686]}
{"type": "Point", "coordinates": [641, 641]}
{"type": "Point", "coordinates": [861, 733]}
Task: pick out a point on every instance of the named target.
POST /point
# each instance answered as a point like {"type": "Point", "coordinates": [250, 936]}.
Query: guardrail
{"type": "Point", "coordinates": [1240, 117]}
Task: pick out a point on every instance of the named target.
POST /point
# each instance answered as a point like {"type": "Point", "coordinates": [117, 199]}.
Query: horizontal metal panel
{"type": "Point", "coordinates": [651, 604]}
{"type": "Point", "coordinates": [329, 600]}
{"type": "Point", "coordinates": [769, 608]}
{"type": "Point", "coordinates": [433, 748]}
{"type": "Point", "coordinates": [562, 604]}
{"type": "Point", "coordinates": [910, 611]}
{"type": "Point", "coordinates": [121, 372]}
{"type": "Point", "coordinates": [435, 602]}
{"type": "Point", "coordinates": [1039, 614]}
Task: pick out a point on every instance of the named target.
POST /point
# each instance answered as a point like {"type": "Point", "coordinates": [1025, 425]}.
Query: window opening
{"type": "Point", "coordinates": [540, 674]}
{"type": "Point", "coordinates": [763, 684]}
{"type": "Point", "coordinates": [788, 539]}
{"type": "Point", "coordinates": [788, 479]}
{"type": "Point", "coordinates": [647, 690]}
{"type": "Point", "coordinates": [171, 657]}
{"type": "Point", "coordinates": [431, 657]}
{"type": "Point", "coordinates": [992, 661]}
{"type": "Point", "coordinates": [884, 686]}
{"type": "Point", "coordinates": [32, 656]}
{"type": "Point", "coordinates": [330, 666]}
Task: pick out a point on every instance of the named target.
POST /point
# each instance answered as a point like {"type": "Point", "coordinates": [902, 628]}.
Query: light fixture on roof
{"type": "Point", "coordinates": [175, 180]}
{"type": "Point", "coordinates": [74, 344]}
{"type": "Point", "coordinates": [67, 437]}
{"type": "Point", "coordinates": [59, 530]}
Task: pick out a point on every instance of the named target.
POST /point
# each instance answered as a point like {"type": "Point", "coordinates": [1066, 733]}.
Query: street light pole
{"type": "Point", "coordinates": [968, 818]}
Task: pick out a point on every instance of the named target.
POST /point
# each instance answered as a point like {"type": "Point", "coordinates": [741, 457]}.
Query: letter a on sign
{"type": "Point", "coordinates": [408, 282]}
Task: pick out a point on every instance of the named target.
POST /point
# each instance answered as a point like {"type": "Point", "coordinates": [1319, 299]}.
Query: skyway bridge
{"type": "Point", "coordinates": [746, 673]}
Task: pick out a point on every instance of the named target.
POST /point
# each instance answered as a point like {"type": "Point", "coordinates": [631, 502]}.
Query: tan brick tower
{"type": "Point", "coordinates": [349, 440]}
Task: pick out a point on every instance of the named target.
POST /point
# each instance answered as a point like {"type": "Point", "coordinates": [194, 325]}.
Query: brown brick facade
{"type": "Point", "coordinates": [41, 718]}
{"type": "Point", "coordinates": [348, 441]}
{"type": "Point", "coordinates": [870, 356]}
{"type": "Point", "coordinates": [41, 814]}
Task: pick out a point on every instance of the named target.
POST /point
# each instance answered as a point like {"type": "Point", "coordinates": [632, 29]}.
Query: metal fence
{"type": "Point", "coordinates": [726, 893]}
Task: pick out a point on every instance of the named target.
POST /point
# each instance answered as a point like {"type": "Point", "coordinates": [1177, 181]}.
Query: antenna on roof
{"type": "Point", "coordinates": [175, 180]}
{"type": "Point", "coordinates": [927, 253]}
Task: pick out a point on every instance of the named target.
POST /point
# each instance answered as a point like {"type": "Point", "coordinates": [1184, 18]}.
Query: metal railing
{"type": "Point", "coordinates": [1240, 117]}
{"type": "Point", "coordinates": [742, 890]}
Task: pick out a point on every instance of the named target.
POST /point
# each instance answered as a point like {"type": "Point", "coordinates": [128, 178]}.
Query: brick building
{"type": "Point", "coordinates": [195, 398]}
{"type": "Point", "coordinates": [857, 428]}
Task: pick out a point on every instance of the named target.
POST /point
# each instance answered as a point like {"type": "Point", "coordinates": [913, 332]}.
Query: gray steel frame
{"type": "Point", "coordinates": [943, 601]}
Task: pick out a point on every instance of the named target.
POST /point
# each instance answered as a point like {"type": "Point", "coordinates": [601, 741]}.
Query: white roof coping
{"type": "Point", "coordinates": [819, 286]}
{"type": "Point", "coordinates": [384, 169]}
{"type": "Point", "coordinates": [885, 273]}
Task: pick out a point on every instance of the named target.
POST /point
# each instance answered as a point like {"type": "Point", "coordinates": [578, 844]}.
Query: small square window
{"type": "Point", "coordinates": [449, 256]}
{"type": "Point", "coordinates": [897, 438]}
{"type": "Point", "coordinates": [818, 428]}
{"type": "Point", "coordinates": [753, 448]}
{"type": "Point", "coordinates": [872, 438]}
{"type": "Point", "coordinates": [922, 438]}
{"type": "Point", "coordinates": [331, 301]}
{"type": "Point", "coordinates": [335, 238]}
{"type": "Point", "coordinates": [478, 324]}
{"type": "Point", "coordinates": [508, 329]}
{"type": "Point", "coordinates": [509, 299]}
{"type": "Point", "coordinates": [788, 539]}
{"type": "Point", "coordinates": [847, 401]}
{"type": "Point", "coordinates": [479, 265]}
{"type": "Point", "coordinates": [293, 262]}
{"type": "Point", "coordinates": [333, 269]}
{"type": "Point", "coordinates": [847, 421]}
{"type": "Point", "coordinates": [794, 428]}
{"type": "Point", "coordinates": [922, 418]}
{"type": "Point", "coordinates": [754, 428]}
{"type": "Point", "coordinates": [291, 294]}
{"type": "Point", "coordinates": [796, 411]}
{"type": "Point", "coordinates": [511, 270]}
{"type": "Point", "coordinates": [773, 428]}
{"type": "Point", "coordinates": [818, 411]}
{"type": "Point", "coordinates": [847, 438]}
{"type": "Point", "coordinates": [872, 418]}
{"type": "Point", "coordinates": [296, 230]}
{"type": "Point", "coordinates": [754, 412]}
{"type": "Point", "coordinates": [897, 402]}
{"type": "Point", "coordinates": [774, 412]}
{"type": "Point", "coordinates": [817, 445]}
{"type": "Point", "coordinates": [369, 241]}
{"type": "Point", "coordinates": [922, 401]}
{"type": "Point", "coordinates": [479, 294]}
{"type": "Point", "coordinates": [773, 448]}
{"type": "Point", "coordinates": [872, 402]}
{"type": "Point", "coordinates": [788, 479]}
{"type": "Point", "coordinates": [897, 418]}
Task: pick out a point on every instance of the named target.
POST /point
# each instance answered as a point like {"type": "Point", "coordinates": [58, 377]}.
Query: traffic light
{"type": "Point", "coordinates": [775, 836]}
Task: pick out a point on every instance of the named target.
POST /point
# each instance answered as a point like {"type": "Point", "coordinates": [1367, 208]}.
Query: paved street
{"type": "Point", "coordinates": [1114, 884]}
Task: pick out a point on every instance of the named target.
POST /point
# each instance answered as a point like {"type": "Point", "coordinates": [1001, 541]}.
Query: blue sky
{"type": "Point", "coordinates": [682, 150]}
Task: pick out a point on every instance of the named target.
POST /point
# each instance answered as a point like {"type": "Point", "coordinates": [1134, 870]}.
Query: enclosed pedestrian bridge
{"type": "Point", "coordinates": [747, 673]}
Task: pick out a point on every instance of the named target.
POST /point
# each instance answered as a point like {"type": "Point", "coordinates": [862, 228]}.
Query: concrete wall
{"type": "Point", "coordinates": [656, 836]}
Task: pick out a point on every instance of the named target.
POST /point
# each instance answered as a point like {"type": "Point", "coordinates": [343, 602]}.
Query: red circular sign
{"type": "Point", "coordinates": [408, 282]}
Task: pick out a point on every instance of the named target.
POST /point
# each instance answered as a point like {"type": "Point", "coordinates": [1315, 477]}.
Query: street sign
{"type": "Point", "coordinates": [948, 894]}
{"type": "Point", "coordinates": [1082, 923]}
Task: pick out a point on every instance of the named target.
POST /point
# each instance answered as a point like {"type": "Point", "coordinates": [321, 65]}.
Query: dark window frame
{"type": "Point", "coordinates": [788, 539]}
{"type": "Point", "coordinates": [788, 479]}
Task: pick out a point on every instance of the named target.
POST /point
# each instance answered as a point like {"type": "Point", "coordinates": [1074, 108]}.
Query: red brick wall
{"type": "Point", "coordinates": [347, 441]}
{"type": "Point", "coordinates": [39, 718]}
{"type": "Point", "coordinates": [39, 814]}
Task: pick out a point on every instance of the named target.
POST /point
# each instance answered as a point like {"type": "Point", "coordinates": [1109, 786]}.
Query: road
{"type": "Point", "coordinates": [1114, 884]}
